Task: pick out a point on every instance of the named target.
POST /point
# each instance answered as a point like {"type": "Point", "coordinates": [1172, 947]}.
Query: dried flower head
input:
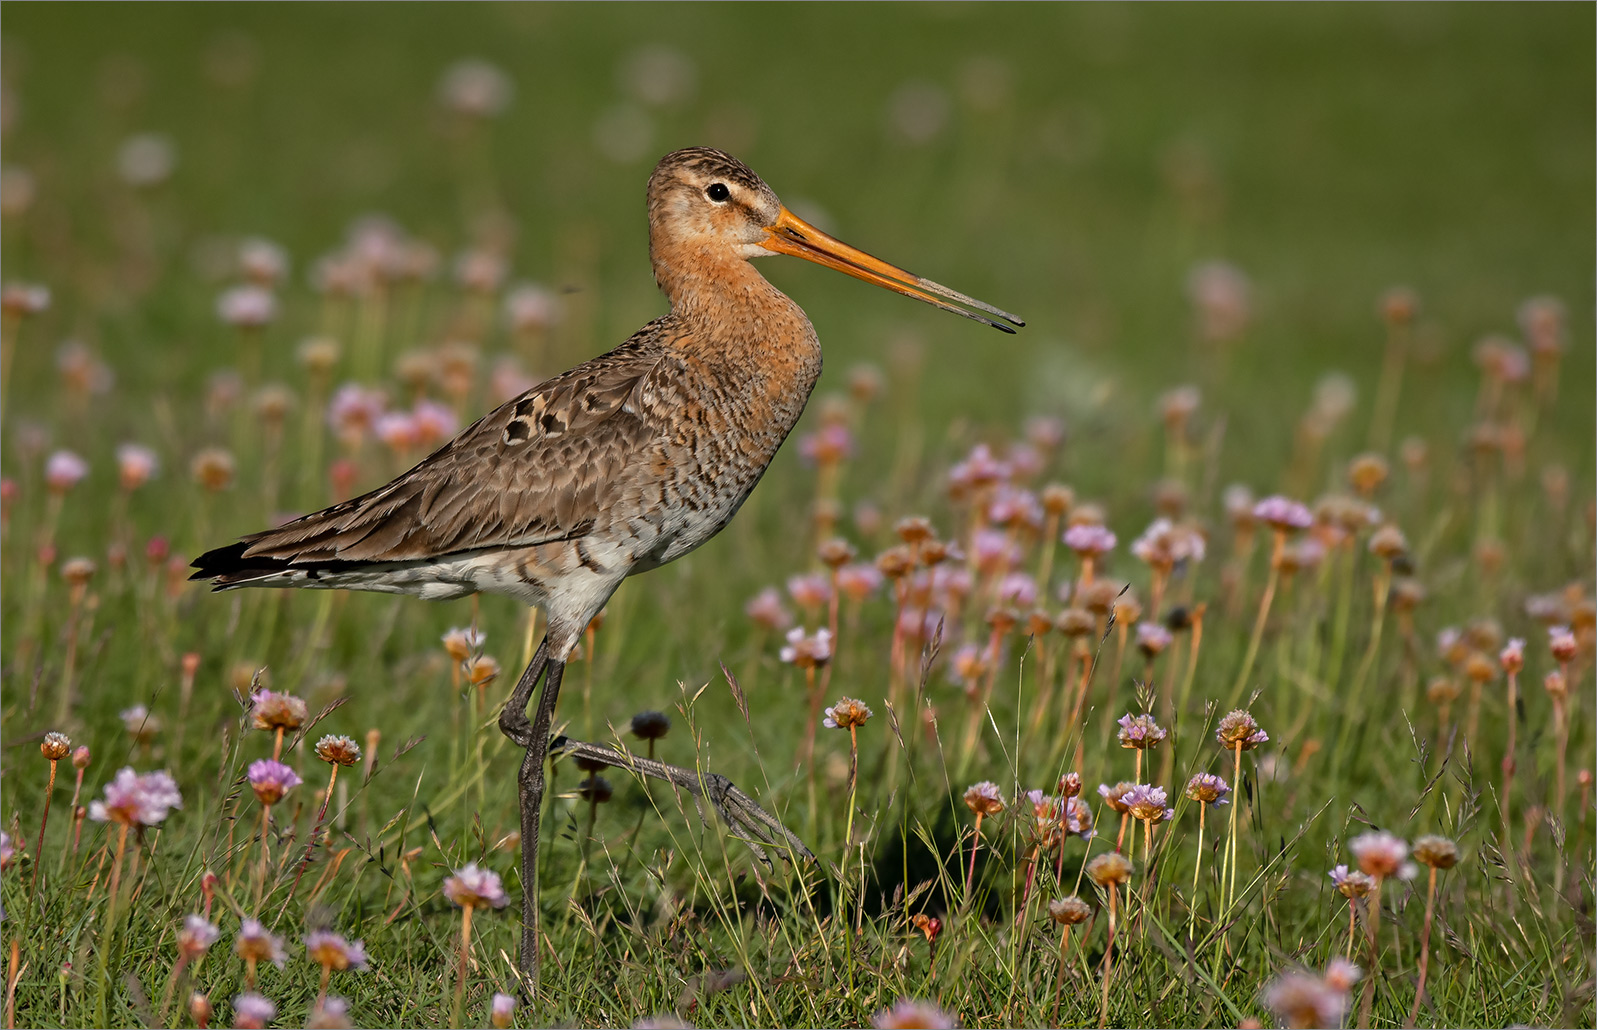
{"type": "Point", "coordinates": [1076, 622]}
{"type": "Point", "coordinates": [1436, 852]}
{"type": "Point", "coordinates": [1380, 854]}
{"type": "Point", "coordinates": [133, 799]}
{"type": "Point", "coordinates": [909, 1012]}
{"type": "Point", "coordinates": [1070, 785]}
{"type": "Point", "coordinates": [1140, 731]}
{"type": "Point", "coordinates": [1388, 543]}
{"type": "Point", "coordinates": [255, 944]}
{"type": "Point", "coordinates": [984, 798]}
{"type": "Point", "coordinates": [846, 714]}
{"type": "Point", "coordinates": [650, 725]}
{"type": "Point", "coordinates": [326, 948]}
{"type": "Point", "coordinates": [475, 886]}
{"type": "Point", "coordinates": [1068, 911]}
{"type": "Point", "coordinates": [338, 750]}
{"type": "Point", "coordinates": [835, 553]}
{"type": "Point", "coordinates": [329, 1013]}
{"type": "Point", "coordinates": [1239, 731]}
{"type": "Point", "coordinates": [196, 937]}
{"type": "Point", "coordinates": [213, 468]}
{"type": "Point", "coordinates": [273, 711]}
{"type": "Point", "coordinates": [253, 1011]}
{"type": "Point", "coordinates": [55, 746]}
{"type": "Point", "coordinates": [1109, 868]}
{"type": "Point", "coordinates": [1208, 789]}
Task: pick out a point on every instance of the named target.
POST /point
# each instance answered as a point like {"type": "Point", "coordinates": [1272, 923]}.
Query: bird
{"type": "Point", "coordinates": [616, 467]}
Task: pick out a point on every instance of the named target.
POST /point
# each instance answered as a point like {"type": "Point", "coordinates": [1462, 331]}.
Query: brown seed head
{"type": "Point", "coordinates": [78, 571]}
{"type": "Point", "coordinates": [273, 711]}
{"type": "Point", "coordinates": [213, 468]}
{"type": "Point", "coordinates": [836, 553]}
{"type": "Point", "coordinates": [1388, 543]}
{"type": "Point", "coordinates": [1399, 305]}
{"type": "Point", "coordinates": [650, 725]}
{"type": "Point", "coordinates": [1367, 472]}
{"type": "Point", "coordinates": [1407, 593]}
{"type": "Point", "coordinates": [338, 750]}
{"type": "Point", "coordinates": [1099, 597]}
{"type": "Point", "coordinates": [1436, 852]}
{"type": "Point", "coordinates": [55, 746]}
{"type": "Point", "coordinates": [1441, 690]}
{"type": "Point", "coordinates": [895, 562]}
{"type": "Point", "coordinates": [914, 529]}
{"type": "Point", "coordinates": [1480, 668]}
{"type": "Point", "coordinates": [847, 714]}
{"type": "Point", "coordinates": [1076, 622]}
{"type": "Point", "coordinates": [1068, 911]}
{"type": "Point", "coordinates": [1109, 869]}
{"type": "Point", "coordinates": [1057, 499]}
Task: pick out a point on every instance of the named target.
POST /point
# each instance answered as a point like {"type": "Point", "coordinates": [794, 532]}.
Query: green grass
{"type": "Point", "coordinates": [1091, 156]}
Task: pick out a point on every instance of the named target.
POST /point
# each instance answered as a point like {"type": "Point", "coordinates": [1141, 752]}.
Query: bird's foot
{"type": "Point", "coordinates": [756, 827]}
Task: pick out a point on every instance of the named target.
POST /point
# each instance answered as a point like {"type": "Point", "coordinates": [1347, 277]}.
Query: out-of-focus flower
{"type": "Point", "coordinates": [596, 789]}
{"type": "Point", "coordinates": [530, 308]}
{"type": "Point", "coordinates": [1115, 796]}
{"type": "Point", "coordinates": [1563, 643]}
{"type": "Point", "coordinates": [475, 88]}
{"type": "Point", "coordinates": [1436, 852]}
{"type": "Point", "coordinates": [326, 948]}
{"type": "Point", "coordinates": [651, 725]}
{"type": "Point", "coordinates": [912, 1012]}
{"type": "Point", "coordinates": [147, 159]}
{"type": "Point", "coordinates": [859, 581]}
{"type": "Point", "coordinates": [1068, 911]}
{"type": "Point", "coordinates": [196, 937]}
{"type": "Point", "coordinates": [828, 445]}
{"type": "Point", "coordinates": [847, 714]}
{"type": "Point", "coordinates": [1302, 999]}
{"type": "Point", "coordinates": [271, 780]}
{"type": "Point", "coordinates": [132, 799]}
{"type": "Point", "coordinates": [1108, 869]}
{"type": "Point", "coordinates": [1239, 731]}
{"type": "Point", "coordinates": [8, 851]}
{"type": "Point", "coordinates": [809, 591]}
{"type": "Point", "coordinates": [261, 261]}
{"type": "Point", "coordinates": [1221, 296]}
{"type": "Point", "coordinates": [248, 306]}
{"type": "Point", "coordinates": [19, 299]}
{"type": "Point", "coordinates": [1078, 818]}
{"type": "Point", "coordinates": [63, 471]}
{"type": "Point", "coordinates": [254, 943]}
{"type": "Point", "coordinates": [501, 1010]}
{"type": "Point", "coordinates": [253, 1011]}
{"type": "Point", "coordinates": [1351, 883]}
{"type": "Point", "coordinates": [463, 642]}
{"type": "Point", "coordinates": [1379, 854]}
{"type": "Point", "coordinates": [984, 798]}
{"type": "Point", "coordinates": [475, 886]}
{"type": "Point", "coordinates": [1208, 789]}
{"type": "Point", "coordinates": [353, 411]}
{"type": "Point", "coordinates": [1512, 657]}
{"type": "Point", "coordinates": [1283, 513]}
{"type": "Point", "coordinates": [270, 710]}
{"type": "Point", "coordinates": [1089, 539]}
{"type": "Point", "coordinates": [1152, 638]}
{"type": "Point", "coordinates": [767, 611]}
{"type": "Point", "coordinates": [213, 468]}
{"type": "Point", "coordinates": [136, 465]}
{"type": "Point", "coordinates": [330, 1013]}
{"type": "Point", "coordinates": [140, 724]}
{"type": "Point", "coordinates": [807, 650]}
{"type": "Point", "coordinates": [1164, 545]}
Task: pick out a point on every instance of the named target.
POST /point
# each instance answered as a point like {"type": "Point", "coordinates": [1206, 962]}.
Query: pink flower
{"type": "Point", "coordinates": [1209, 789]}
{"type": "Point", "coordinates": [354, 410]}
{"type": "Point", "coordinates": [475, 88]}
{"type": "Point", "coordinates": [1379, 854]}
{"type": "Point", "coordinates": [253, 1011]}
{"type": "Point", "coordinates": [1140, 731]}
{"type": "Point", "coordinates": [984, 798]}
{"type": "Point", "coordinates": [908, 1012]}
{"type": "Point", "coordinates": [1045, 431]}
{"type": "Point", "coordinates": [501, 1011]}
{"type": "Point", "coordinates": [809, 591]}
{"type": "Point", "coordinates": [1164, 545]}
{"type": "Point", "coordinates": [271, 780]}
{"type": "Point", "coordinates": [1152, 638]}
{"type": "Point", "coordinates": [767, 611]}
{"type": "Point", "coordinates": [254, 942]}
{"type": "Point", "coordinates": [1351, 883]}
{"type": "Point", "coordinates": [1283, 513]}
{"type": "Point", "coordinates": [434, 422]}
{"type": "Point", "coordinates": [994, 551]}
{"type": "Point", "coordinates": [1017, 589]}
{"type": "Point", "coordinates": [136, 465]}
{"type": "Point", "coordinates": [1513, 656]}
{"type": "Point", "coordinates": [132, 799]}
{"type": "Point", "coordinates": [247, 306]}
{"type": "Point", "coordinates": [63, 471]}
{"type": "Point", "coordinates": [397, 430]}
{"type": "Point", "coordinates": [859, 581]}
{"type": "Point", "coordinates": [1562, 643]}
{"type": "Point", "coordinates": [1078, 818]}
{"type": "Point", "coordinates": [1302, 999]}
{"type": "Point", "coordinates": [979, 469]}
{"type": "Point", "coordinates": [262, 261]}
{"type": "Point", "coordinates": [326, 948]}
{"type": "Point", "coordinates": [828, 445]}
{"type": "Point", "coordinates": [531, 308]}
{"type": "Point", "coordinates": [1147, 803]}
{"type": "Point", "coordinates": [196, 937]}
{"type": "Point", "coordinates": [7, 850]}
{"type": "Point", "coordinates": [1089, 539]}
{"type": "Point", "coordinates": [805, 650]}
{"type": "Point", "coordinates": [1239, 731]}
{"type": "Point", "coordinates": [475, 886]}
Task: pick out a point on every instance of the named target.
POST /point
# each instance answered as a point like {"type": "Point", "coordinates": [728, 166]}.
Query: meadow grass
{"type": "Point", "coordinates": [1085, 166]}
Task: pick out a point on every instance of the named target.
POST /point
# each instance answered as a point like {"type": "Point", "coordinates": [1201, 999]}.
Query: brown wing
{"type": "Point", "coordinates": [539, 468]}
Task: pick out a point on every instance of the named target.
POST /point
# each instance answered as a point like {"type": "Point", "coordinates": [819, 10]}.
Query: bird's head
{"type": "Point", "coordinates": [707, 207]}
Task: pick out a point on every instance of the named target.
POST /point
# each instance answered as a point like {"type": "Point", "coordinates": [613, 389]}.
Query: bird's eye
{"type": "Point", "coordinates": [718, 192]}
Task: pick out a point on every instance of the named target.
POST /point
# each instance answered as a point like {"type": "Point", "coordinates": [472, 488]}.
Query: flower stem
{"type": "Point", "coordinates": [975, 844]}
{"type": "Point", "coordinates": [1260, 620]}
{"type": "Point", "coordinates": [38, 852]}
{"type": "Point", "coordinates": [1425, 948]}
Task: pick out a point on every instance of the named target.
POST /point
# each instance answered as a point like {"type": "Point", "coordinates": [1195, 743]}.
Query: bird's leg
{"type": "Point", "coordinates": [757, 828]}
{"type": "Point", "coordinates": [534, 737]}
{"type": "Point", "coordinates": [513, 721]}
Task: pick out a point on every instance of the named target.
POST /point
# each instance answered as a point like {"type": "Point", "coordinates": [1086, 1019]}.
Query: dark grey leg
{"type": "Point", "coordinates": [534, 737]}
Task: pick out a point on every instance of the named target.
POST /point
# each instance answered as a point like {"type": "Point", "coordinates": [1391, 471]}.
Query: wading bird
{"type": "Point", "coordinates": [616, 467]}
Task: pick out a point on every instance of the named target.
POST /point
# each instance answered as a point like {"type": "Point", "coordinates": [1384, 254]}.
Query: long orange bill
{"type": "Point", "coordinates": [792, 235]}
